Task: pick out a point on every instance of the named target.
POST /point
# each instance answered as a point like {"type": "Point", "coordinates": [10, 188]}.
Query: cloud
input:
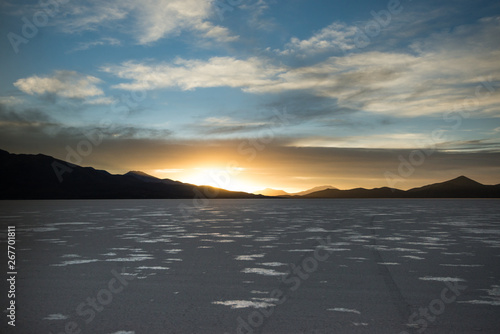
{"type": "Point", "coordinates": [12, 116]}
{"type": "Point", "coordinates": [151, 20]}
{"type": "Point", "coordinates": [376, 141]}
{"type": "Point", "coordinates": [33, 127]}
{"type": "Point", "coordinates": [228, 126]}
{"type": "Point", "coordinates": [337, 36]}
{"type": "Point", "coordinates": [103, 41]}
{"type": "Point", "coordinates": [254, 14]}
{"type": "Point", "coordinates": [91, 15]}
{"type": "Point", "coordinates": [67, 84]}
{"type": "Point", "coordinates": [444, 72]}
{"type": "Point", "coordinates": [191, 74]}
{"type": "Point", "coordinates": [101, 101]}
{"type": "Point", "coordinates": [10, 100]}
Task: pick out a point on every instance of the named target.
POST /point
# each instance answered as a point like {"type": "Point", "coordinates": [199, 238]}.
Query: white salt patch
{"type": "Point", "coordinates": [153, 268]}
{"type": "Point", "coordinates": [389, 263]}
{"type": "Point", "coordinates": [243, 304]}
{"type": "Point", "coordinates": [441, 279]}
{"type": "Point", "coordinates": [341, 309]}
{"type": "Point", "coordinates": [315, 229]}
{"type": "Point", "coordinates": [67, 263]}
{"type": "Point", "coordinates": [172, 251]}
{"type": "Point", "coordinates": [462, 265]}
{"type": "Point", "coordinates": [413, 257]}
{"type": "Point", "coordinates": [462, 253]}
{"type": "Point", "coordinates": [330, 249]}
{"type": "Point", "coordinates": [265, 239]}
{"type": "Point", "coordinates": [336, 244]}
{"type": "Point", "coordinates": [57, 316]}
{"type": "Point", "coordinates": [360, 324]}
{"type": "Point", "coordinates": [153, 241]}
{"type": "Point", "coordinates": [130, 259]}
{"type": "Point", "coordinates": [70, 256]}
{"type": "Point", "coordinates": [481, 302]}
{"type": "Point", "coordinates": [267, 300]}
{"type": "Point", "coordinates": [249, 257]}
{"type": "Point", "coordinates": [273, 264]}
{"type": "Point", "coordinates": [411, 250]}
{"type": "Point", "coordinates": [493, 297]}
{"type": "Point", "coordinates": [44, 229]}
{"type": "Point", "coordinates": [72, 223]}
{"type": "Point", "coordinates": [494, 291]}
{"type": "Point", "coordinates": [262, 271]}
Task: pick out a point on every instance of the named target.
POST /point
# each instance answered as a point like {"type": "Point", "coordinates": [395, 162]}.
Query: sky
{"type": "Point", "coordinates": [254, 94]}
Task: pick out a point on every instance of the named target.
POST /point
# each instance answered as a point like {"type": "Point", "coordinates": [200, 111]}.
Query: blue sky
{"type": "Point", "coordinates": [295, 93]}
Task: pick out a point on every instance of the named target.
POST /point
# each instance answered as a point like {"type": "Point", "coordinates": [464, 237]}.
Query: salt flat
{"type": "Point", "coordinates": [255, 266]}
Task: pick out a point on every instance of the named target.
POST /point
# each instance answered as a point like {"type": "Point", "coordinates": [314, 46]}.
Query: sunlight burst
{"type": "Point", "coordinates": [220, 178]}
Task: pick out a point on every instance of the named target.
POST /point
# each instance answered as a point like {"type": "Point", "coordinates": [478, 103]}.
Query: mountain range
{"type": "Point", "coordinates": [460, 187]}
{"type": "Point", "coordinates": [274, 192]}
{"type": "Point", "coordinates": [25, 176]}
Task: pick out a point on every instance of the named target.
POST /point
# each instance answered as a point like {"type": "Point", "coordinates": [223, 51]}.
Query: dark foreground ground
{"type": "Point", "coordinates": [254, 266]}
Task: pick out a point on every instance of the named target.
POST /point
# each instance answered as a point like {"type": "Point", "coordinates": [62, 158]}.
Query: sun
{"type": "Point", "coordinates": [220, 178]}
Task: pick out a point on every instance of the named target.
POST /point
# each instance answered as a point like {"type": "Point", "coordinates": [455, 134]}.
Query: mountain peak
{"type": "Point", "coordinates": [271, 192]}
{"type": "Point", "coordinates": [464, 181]}
{"type": "Point", "coordinates": [134, 172]}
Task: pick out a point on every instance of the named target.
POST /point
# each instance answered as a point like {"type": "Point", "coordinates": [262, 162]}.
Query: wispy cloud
{"type": "Point", "coordinates": [227, 126]}
{"type": "Point", "coordinates": [255, 12]}
{"type": "Point", "coordinates": [192, 74]}
{"type": "Point", "coordinates": [147, 20]}
{"type": "Point", "coordinates": [434, 76]}
{"type": "Point", "coordinates": [67, 84]}
{"type": "Point", "coordinates": [338, 37]}
{"type": "Point", "coordinates": [10, 100]}
{"type": "Point", "coordinates": [103, 41]}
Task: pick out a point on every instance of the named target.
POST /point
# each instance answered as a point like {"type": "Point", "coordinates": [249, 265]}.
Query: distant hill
{"type": "Point", "coordinates": [24, 176]}
{"type": "Point", "coordinates": [357, 193]}
{"type": "Point", "coordinates": [274, 192]}
{"type": "Point", "coordinates": [460, 187]}
{"type": "Point", "coordinates": [313, 190]}
{"type": "Point", "coordinates": [271, 192]}
{"type": "Point", "coordinates": [149, 178]}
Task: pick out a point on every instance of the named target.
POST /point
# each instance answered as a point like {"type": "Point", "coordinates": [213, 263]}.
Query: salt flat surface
{"type": "Point", "coordinates": [256, 266]}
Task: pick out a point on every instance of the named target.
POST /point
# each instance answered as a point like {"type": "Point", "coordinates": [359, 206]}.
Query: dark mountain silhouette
{"type": "Point", "coordinates": [271, 192]}
{"type": "Point", "coordinates": [357, 193]}
{"type": "Point", "coordinates": [24, 176]}
{"type": "Point", "coordinates": [460, 187]}
{"type": "Point", "coordinates": [151, 179]}
{"type": "Point", "coordinates": [274, 192]}
{"type": "Point", "coordinates": [313, 190]}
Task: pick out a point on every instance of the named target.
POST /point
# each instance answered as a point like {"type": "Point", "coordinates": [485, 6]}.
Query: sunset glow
{"type": "Point", "coordinates": [297, 94]}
